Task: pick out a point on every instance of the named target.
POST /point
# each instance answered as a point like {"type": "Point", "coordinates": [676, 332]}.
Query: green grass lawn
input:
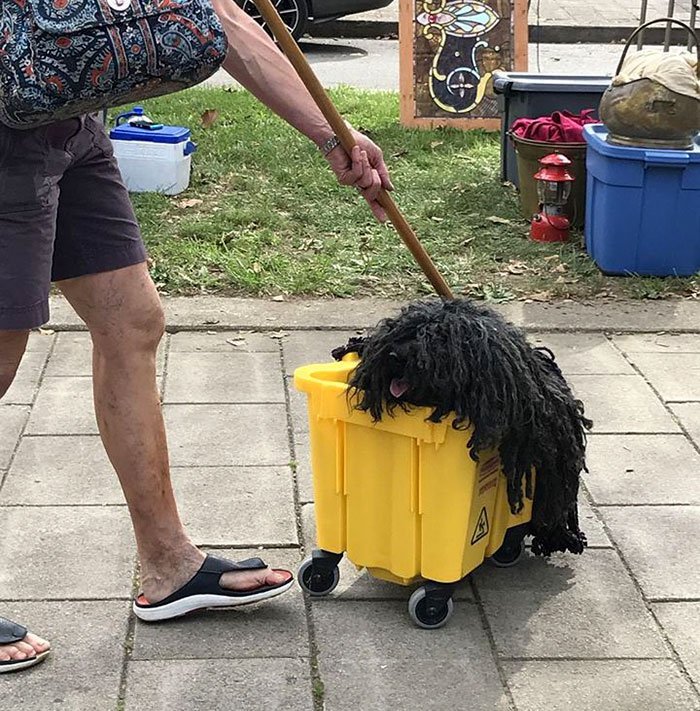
{"type": "Point", "coordinates": [264, 215]}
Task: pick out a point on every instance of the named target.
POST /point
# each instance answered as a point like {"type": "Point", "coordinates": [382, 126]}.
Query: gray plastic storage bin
{"type": "Point", "coordinates": [525, 95]}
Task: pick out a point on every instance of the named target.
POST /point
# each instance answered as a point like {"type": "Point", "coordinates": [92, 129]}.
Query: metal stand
{"type": "Point", "coordinates": [694, 7]}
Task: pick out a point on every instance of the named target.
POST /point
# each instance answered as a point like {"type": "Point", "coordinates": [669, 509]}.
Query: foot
{"type": "Point", "coordinates": [28, 648]}
{"type": "Point", "coordinates": [172, 571]}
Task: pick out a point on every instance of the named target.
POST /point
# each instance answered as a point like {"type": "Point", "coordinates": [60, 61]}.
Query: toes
{"type": "Point", "coordinates": [277, 577]}
{"type": "Point", "coordinates": [10, 652]}
{"type": "Point", "coordinates": [26, 649]}
{"type": "Point", "coordinates": [38, 644]}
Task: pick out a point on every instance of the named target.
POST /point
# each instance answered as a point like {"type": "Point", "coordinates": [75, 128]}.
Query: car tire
{"type": "Point", "coordinates": [294, 13]}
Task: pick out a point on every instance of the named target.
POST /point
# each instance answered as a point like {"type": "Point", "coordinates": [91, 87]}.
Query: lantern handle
{"type": "Point", "coordinates": [643, 27]}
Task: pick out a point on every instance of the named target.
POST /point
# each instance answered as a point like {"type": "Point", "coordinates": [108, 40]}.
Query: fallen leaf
{"type": "Point", "coordinates": [211, 333]}
{"type": "Point", "coordinates": [209, 117]}
{"type": "Point", "coordinates": [211, 321]}
{"type": "Point", "coordinates": [551, 256]}
{"type": "Point", "coordinates": [435, 144]}
{"type": "Point", "coordinates": [499, 220]}
{"type": "Point", "coordinates": [279, 297]}
{"type": "Point", "coordinates": [560, 280]}
{"type": "Point", "coordinates": [517, 268]}
{"type": "Point", "coordinates": [257, 268]}
{"type": "Point", "coordinates": [540, 296]}
{"type": "Point", "coordinates": [561, 268]}
{"type": "Point", "coordinates": [46, 331]}
{"type": "Point", "coordinates": [400, 154]}
{"type": "Point", "coordinates": [191, 202]}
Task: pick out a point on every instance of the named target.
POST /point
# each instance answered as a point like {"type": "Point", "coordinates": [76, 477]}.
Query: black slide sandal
{"type": "Point", "coordinates": [203, 591]}
{"type": "Point", "coordinates": [11, 633]}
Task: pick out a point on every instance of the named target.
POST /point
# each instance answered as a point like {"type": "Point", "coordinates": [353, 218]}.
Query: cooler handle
{"type": "Point", "coordinates": [666, 159]}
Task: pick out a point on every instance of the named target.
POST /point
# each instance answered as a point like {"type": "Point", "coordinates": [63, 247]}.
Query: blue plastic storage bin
{"type": "Point", "coordinates": [642, 208]}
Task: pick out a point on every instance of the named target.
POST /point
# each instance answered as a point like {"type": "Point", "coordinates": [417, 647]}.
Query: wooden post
{"type": "Point", "coordinates": [448, 52]}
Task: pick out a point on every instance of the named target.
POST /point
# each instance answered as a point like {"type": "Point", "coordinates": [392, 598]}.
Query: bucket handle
{"type": "Point", "coordinates": [643, 27]}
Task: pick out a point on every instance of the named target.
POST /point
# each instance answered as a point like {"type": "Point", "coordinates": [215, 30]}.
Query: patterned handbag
{"type": "Point", "coordinates": [63, 58]}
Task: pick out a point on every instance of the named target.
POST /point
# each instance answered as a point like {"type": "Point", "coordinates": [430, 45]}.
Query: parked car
{"type": "Point", "coordinates": [298, 14]}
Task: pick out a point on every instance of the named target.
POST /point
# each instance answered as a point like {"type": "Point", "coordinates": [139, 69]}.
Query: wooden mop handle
{"type": "Point", "coordinates": [340, 128]}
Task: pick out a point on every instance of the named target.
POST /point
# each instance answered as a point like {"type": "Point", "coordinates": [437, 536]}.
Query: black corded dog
{"type": "Point", "coordinates": [463, 358]}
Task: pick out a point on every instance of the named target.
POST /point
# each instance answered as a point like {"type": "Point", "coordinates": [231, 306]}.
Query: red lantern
{"type": "Point", "coordinates": [552, 224]}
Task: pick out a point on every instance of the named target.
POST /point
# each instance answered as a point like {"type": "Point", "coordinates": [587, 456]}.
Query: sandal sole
{"type": "Point", "coordinates": [179, 608]}
{"type": "Point", "coordinates": [7, 667]}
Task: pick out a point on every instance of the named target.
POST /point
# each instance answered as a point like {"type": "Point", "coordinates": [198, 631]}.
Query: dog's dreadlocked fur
{"type": "Point", "coordinates": [461, 358]}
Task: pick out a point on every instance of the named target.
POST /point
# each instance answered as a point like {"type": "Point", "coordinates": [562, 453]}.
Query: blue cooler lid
{"type": "Point", "coordinates": [596, 136]}
{"type": "Point", "coordinates": [163, 134]}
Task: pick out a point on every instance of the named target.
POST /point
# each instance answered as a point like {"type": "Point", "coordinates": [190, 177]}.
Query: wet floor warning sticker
{"type": "Point", "coordinates": [482, 526]}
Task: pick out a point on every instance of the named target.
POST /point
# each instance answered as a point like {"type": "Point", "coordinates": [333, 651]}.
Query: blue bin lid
{"type": "Point", "coordinates": [596, 136]}
{"type": "Point", "coordinates": [507, 82]}
{"type": "Point", "coordinates": [164, 134]}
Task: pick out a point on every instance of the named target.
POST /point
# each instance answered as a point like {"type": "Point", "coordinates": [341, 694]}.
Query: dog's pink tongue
{"type": "Point", "coordinates": [398, 387]}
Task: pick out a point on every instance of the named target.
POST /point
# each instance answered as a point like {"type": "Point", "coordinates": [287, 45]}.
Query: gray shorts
{"type": "Point", "coordinates": [64, 213]}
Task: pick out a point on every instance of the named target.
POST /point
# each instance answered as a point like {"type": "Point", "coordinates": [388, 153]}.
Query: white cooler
{"type": "Point", "coordinates": [153, 158]}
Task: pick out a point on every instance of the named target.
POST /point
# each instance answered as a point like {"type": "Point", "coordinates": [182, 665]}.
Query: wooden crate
{"type": "Point", "coordinates": [448, 52]}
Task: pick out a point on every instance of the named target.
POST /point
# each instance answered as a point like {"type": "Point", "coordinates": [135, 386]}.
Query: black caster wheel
{"type": "Point", "coordinates": [427, 612]}
{"type": "Point", "coordinates": [508, 555]}
{"type": "Point", "coordinates": [317, 581]}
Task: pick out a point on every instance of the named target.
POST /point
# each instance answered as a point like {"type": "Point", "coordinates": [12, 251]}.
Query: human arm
{"type": "Point", "coordinates": [256, 63]}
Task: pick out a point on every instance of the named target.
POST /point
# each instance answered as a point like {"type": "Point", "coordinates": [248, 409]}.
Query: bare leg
{"type": "Point", "coordinates": [12, 345]}
{"type": "Point", "coordinates": [123, 313]}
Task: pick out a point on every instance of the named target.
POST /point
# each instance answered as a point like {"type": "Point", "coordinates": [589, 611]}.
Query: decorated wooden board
{"type": "Point", "coordinates": [449, 51]}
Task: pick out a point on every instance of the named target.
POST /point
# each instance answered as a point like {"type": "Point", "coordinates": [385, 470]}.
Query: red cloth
{"type": "Point", "coordinates": [560, 127]}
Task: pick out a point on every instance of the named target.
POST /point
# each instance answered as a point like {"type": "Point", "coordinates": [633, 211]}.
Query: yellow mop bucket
{"type": "Point", "coordinates": [401, 498]}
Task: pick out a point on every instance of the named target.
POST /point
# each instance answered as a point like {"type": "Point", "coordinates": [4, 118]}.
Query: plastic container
{"type": "Point", "coordinates": [528, 154]}
{"type": "Point", "coordinates": [152, 158]}
{"type": "Point", "coordinates": [525, 95]}
{"type": "Point", "coordinates": [402, 497]}
{"type": "Point", "coordinates": [643, 208]}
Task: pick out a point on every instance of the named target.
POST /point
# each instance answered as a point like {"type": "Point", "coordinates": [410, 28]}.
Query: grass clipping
{"type": "Point", "coordinates": [264, 216]}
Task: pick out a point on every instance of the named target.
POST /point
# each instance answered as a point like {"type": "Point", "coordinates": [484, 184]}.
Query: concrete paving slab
{"type": "Point", "coordinates": [26, 383]}
{"type": "Point", "coordinates": [224, 342]}
{"type": "Point", "coordinates": [223, 377]}
{"type": "Point", "coordinates": [299, 410]}
{"type": "Point", "coordinates": [56, 552]}
{"type": "Point", "coordinates": [567, 606]}
{"type": "Point", "coordinates": [307, 347]}
{"type": "Point", "coordinates": [384, 683]}
{"type": "Point", "coordinates": [658, 343]}
{"type": "Point", "coordinates": [220, 685]}
{"type": "Point", "coordinates": [359, 584]}
{"type": "Point", "coordinates": [227, 435]}
{"type": "Point", "coordinates": [584, 354]}
{"type": "Point", "coordinates": [681, 622]}
{"type": "Point", "coordinates": [622, 404]}
{"type": "Point", "coordinates": [643, 469]}
{"type": "Point", "coordinates": [83, 671]}
{"type": "Point", "coordinates": [401, 666]}
{"type": "Point", "coordinates": [623, 685]}
{"type": "Point", "coordinates": [72, 355]}
{"type": "Point", "coordinates": [40, 342]}
{"type": "Point", "coordinates": [12, 421]}
{"type": "Point", "coordinates": [302, 447]}
{"type": "Point", "coordinates": [591, 524]}
{"type": "Point", "coordinates": [276, 628]}
{"type": "Point", "coordinates": [236, 314]}
{"type": "Point", "coordinates": [72, 470]}
{"type": "Point", "coordinates": [237, 505]}
{"type": "Point", "coordinates": [675, 376]}
{"type": "Point", "coordinates": [658, 543]}
{"type": "Point", "coordinates": [63, 406]}
{"type": "Point", "coordinates": [689, 417]}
